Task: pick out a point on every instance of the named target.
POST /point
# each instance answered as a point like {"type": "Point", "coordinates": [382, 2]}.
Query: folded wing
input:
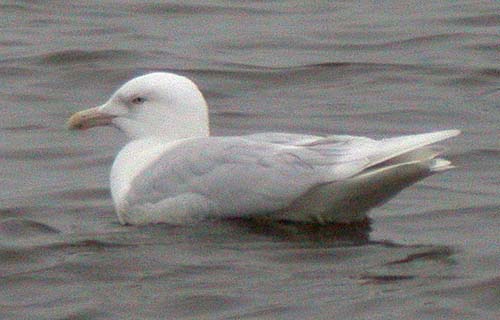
{"type": "Point", "coordinates": [264, 173]}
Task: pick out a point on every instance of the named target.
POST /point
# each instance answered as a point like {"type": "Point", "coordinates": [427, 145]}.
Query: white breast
{"type": "Point", "coordinates": [131, 161]}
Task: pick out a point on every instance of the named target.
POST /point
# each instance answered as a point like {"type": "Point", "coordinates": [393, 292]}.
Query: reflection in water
{"type": "Point", "coordinates": [341, 234]}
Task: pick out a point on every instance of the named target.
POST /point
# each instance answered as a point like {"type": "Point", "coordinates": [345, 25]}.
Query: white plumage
{"type": "Point", "coordinates": [173, 171]}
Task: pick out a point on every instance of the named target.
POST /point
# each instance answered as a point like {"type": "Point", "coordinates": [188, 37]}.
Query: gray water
{"type": "Point", "coordinates": [378, 69]}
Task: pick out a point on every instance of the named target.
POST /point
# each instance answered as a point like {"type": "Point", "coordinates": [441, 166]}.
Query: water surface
{"type": "Point", "coordinates": [360, 68]}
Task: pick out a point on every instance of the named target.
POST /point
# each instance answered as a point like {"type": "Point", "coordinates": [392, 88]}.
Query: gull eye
{"type": "Point", "coordinates": [138, 100]}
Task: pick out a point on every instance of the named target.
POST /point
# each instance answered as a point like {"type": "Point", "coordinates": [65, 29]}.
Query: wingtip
{"type": "Point", "coordinates": [453, 132]}
{"type": "Point", "coordinates": [442, 135]}
{"type": "Point", "coordinates": [445, 134]}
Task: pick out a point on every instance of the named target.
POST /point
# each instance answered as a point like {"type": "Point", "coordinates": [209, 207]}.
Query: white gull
{"type": "Point", "coordinates": [173, 171]}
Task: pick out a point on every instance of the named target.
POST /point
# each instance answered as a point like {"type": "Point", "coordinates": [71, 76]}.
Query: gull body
{"type": "Point", "coordinates": [173, 171]}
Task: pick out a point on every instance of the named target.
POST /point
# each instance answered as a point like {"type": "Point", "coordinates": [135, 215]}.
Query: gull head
{"type": "Point", "coordinates": [158, 105]}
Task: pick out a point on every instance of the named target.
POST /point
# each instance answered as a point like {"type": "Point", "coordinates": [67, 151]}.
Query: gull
{"type": "Point", "coordinates": [173, 171]}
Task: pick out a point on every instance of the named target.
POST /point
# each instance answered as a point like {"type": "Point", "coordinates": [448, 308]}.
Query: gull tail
{"type": "Point", "coordinates": [438, 165]}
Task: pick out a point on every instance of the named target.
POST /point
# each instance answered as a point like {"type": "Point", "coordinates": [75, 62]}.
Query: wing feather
{"type": "Point", "coordinates": [265, 172]}
{"type": "Point", "coordinates": [237, 175]}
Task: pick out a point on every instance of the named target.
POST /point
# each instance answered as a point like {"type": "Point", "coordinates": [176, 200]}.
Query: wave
{"type": "Point", "coordinates": [486, 20]}
{"type": "Point", "coordinates": [85, 56]}
{"type": "Point", "coordinates": [19, 227]}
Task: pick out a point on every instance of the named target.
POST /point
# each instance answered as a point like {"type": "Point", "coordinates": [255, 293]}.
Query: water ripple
{"type": "Point", "coordinates": [487, 20]}
{"type": "Point", "coordinates": [84, 56]}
